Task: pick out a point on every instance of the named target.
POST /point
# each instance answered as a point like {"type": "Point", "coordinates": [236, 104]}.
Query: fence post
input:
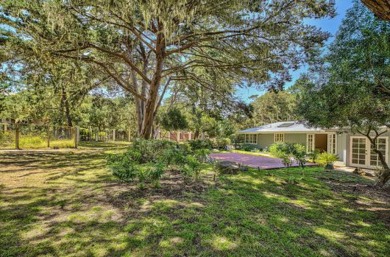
{"type": "Point", "coordinates": [48, 136]}
{"type": "Point", "coordinates": [113, 135]}
{"type": "Point", "coordinates": [129, 135]}
{"type": "Point", "coordinates": [17, 134]}
{"type": "Point", "coordinates": [76, 136]}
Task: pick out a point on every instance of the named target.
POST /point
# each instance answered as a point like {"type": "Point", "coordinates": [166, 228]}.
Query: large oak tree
{"type": "Point", "coordinates": [146, 46]}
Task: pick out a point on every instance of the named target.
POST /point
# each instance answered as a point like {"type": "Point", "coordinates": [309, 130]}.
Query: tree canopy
{"type": "Point", "coordinates": [353, 89]}
{"type": "Point", "coordinates": [146, 47]}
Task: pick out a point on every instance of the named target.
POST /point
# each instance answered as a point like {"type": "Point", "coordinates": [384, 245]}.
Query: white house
{"type": "Point", "coordinates": [352, 149]}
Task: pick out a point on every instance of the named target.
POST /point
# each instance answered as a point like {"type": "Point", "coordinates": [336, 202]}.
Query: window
{"type": "Point", "coordinates": [381, 145]}
{"type": "Point", "coordinates": [250, 139]}
{"type": "Point", "coordinates": [310, 145]}
{"type": "Point", "coordinates": [278, 137]}
{"type": "Point", "coordinates": [332, 143]}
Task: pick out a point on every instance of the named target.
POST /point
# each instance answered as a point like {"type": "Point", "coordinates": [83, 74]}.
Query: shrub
{"type": "Point", "coordinates": [299, 154]}
{"type": "Point", "coordinates": [147, 160]}
{"type": "Point", "coordinates": [192, 167]}
{"type": "Point", "coordinates": [325, 159]}
{"type": "Point", "coordinates": [122, 166]}
{"type": "Point", "coordinates": [200, 144]}
{"type": "Point", "coordinates": [202, 154]}
{"type": "Point", "coordinates": [222, 143]}
{"type": "Point", "coordinates": [142, 176]}
{"type": "Point", "coordinates": [288, 151]}
{"type": "Point", "coordinates": [185, 148]}
{"type": "Point", "coordinates": [314, 155]}
{"type": "Point", "coordinates": [156, 173]}
{"type": "Point", "coordinates": [150, 150]}
{"type": "Point", "coordinates": [172, 156]}
{"type": "Point", "coordinates": [248, 147]}
{"type": "Point", "coordinates": [279, 150]}
{"type": "Point", "coordinates": [7, 138]}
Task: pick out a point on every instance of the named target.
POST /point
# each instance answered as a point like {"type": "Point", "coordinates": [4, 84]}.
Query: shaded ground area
{"type": "Point", "coordinates": [68, 204]}
{"type": "Point", "coordinates": [253, 161]}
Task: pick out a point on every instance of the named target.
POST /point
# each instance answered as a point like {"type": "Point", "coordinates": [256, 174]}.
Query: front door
{"type": "Point", "coordinates": [362, 154]}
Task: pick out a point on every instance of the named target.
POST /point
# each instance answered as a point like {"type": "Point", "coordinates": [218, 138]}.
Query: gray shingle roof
{"type": "Point", "coordinates": [281, 127]}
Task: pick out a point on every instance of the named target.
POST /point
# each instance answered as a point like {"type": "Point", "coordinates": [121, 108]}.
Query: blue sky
{"type": "Point", "coordinates": [330, 24]}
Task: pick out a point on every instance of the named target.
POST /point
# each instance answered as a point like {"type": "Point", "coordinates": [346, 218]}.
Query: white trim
{"type": "Point", "coordinates": [250, 138]}
{"type": "Point", "coordinates": [332, 146]}
{"type": "Point", "coordinates": [313, 144]}
{"type": "Point", "coordinates": [367, 151]}
{"type": "Point", "coordinates": [280, 139]}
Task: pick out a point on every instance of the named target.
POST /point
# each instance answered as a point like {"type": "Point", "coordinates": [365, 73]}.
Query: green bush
{"type": "Point", "coordinates": [7, 139]}
{"type": "Point", "coordinates": [150, 150]}
{"type": "Point", "coordinates": [156, 173]}
{"type": "Point", "coordinates": [200, 144]}
{"type": "Point", "coordinates": [147, 160]}
{"type": "Point", "coordinates": [289, 151]}
{"type": "Point", "coordinates": [185, 147]}
{"type": "Point", "coordinates": [222, 143]}
{"type": "Point", "coordinates": [142, 176]}
{"type": "Point", "coordinates": [122, 166]}
{"type": "Point", "coordinates": [202, 154]}
{"type": "Point", "coordinates": [192, 167]}
{"type": "Point", "coordinates": [325, 159]}
{"type": "Point", "coordinates": [314, 155]}
{"type": "Point", "coordinates": [172, 156]}
{"type": "Point", "coordinates": [248, 147]}
{"type": "Point", "coordinates": [299, 154]}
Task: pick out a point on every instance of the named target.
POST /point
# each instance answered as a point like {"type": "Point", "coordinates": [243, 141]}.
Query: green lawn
{"type": "Point", "coordinates": [69, 204]}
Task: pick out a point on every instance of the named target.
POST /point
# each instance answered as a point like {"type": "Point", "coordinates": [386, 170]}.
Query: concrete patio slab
{"type": "Point", "coordinates": [261, 162]}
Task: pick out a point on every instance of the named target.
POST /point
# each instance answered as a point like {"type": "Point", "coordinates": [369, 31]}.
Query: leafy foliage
{"type": "Point", "coordinates": [174, 120]}
{"type": "Point", "coordinates": [122, 166]}
{"type": "Point", "coordinates": [147, 161]}
{"type": "Point", "coordinates": [147, 47]}
{"type": "Point", "coordinates": [201, 144]}
{"type": "Point", "coordinates": [325, 159]}
{"type": "Point", "coordinates": [272, 107]}
{"type": "Point", "coordinates": [248, 147]}
{"type": "Point", "coordinates": [289, 151]}
{"type": "Point", "coordinates": [352, 87]}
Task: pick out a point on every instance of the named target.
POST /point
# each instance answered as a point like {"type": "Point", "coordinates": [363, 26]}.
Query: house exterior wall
{"type": "Point", "coordinates": [296, 138]}
{"type": "Point", "coordinates": [265, 140]}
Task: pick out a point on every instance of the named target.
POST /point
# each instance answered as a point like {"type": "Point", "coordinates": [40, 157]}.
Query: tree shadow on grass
{"type": "Point", "coordinates": [85, 212]}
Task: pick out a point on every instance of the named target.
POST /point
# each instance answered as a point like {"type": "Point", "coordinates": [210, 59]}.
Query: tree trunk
{"type": "Point", "coordinates": [196, 134]}
{"type": "Point", "coordinates": [152, 102]}
{"type": "Point", "coordinates": [384, 175]}
{"type": "Point", "coordinates": [381, 8]}
{"type": "Point", "coordinates": [147, 124]}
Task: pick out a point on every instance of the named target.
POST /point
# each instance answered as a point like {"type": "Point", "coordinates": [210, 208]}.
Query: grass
{"type": "Point", "coordinates": [35, 142]}
{"type": "Point", "coordinates": [68, 204]}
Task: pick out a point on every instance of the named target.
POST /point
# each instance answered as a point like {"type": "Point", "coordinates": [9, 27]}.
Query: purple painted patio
{"type": "Point", "coordinates": [253, 161]}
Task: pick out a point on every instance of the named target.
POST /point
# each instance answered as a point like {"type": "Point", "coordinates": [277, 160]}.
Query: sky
{"type": "Point", "coordinates": [329, 24]}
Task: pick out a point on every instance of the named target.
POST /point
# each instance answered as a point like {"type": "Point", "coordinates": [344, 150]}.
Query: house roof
{"type": "Point", "coordinates": [282, 127]}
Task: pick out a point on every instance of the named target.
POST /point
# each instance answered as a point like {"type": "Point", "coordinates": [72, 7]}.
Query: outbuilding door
{"type": "Point", "coordinates": [362, 154]}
